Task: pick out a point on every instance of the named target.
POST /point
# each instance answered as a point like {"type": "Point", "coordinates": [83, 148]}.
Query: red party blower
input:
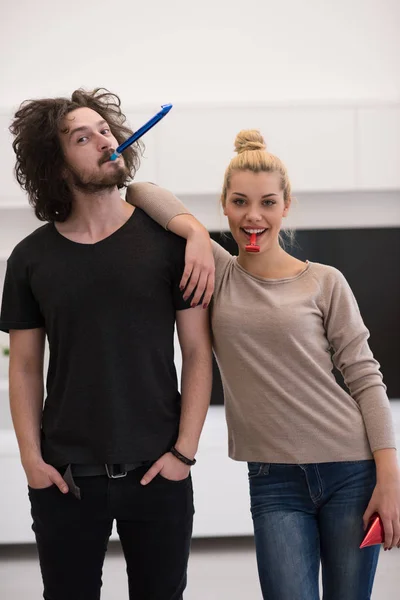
{"type": "Point", "coordinates": [252, 247]}
{"type": "Point", "coordinates": [375, 533]}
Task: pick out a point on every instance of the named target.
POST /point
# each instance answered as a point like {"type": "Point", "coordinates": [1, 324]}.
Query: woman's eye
{"type": "Point", "coordinates": [268, 203]}
{"type": "Point", "coordinates": [105, 131]}
{"type": "Point", "coordinates": [238, 201]}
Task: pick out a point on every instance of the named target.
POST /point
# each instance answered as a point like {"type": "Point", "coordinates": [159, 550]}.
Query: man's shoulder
{"type": "Point", "coordinates": [32, 242]}
{"type": "Point", "coordinates": [159, 235]}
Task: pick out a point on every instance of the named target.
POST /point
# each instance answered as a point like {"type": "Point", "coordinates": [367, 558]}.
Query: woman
{"type": "Point", "coordinates": [321, 460]}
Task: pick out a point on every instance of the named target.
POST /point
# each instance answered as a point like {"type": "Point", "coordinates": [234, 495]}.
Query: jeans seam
{"type": "Point", "coordinates": [320, 485]}
{"type": "Point", "coordinates": [319, 496]}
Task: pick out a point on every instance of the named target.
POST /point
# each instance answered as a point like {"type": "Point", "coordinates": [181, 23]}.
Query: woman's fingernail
{"type": "Point", "coordinates": [205, 305]}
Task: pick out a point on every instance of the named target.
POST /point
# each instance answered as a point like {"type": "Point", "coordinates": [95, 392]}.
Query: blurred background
{"type": "Point", "coordinates": [320, 79]}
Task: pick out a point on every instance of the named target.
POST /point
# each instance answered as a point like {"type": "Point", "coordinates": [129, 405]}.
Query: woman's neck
{"type": "Point", "coordinates": [274, 263]}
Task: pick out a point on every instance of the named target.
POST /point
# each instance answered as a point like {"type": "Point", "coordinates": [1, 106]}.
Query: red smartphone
{"type": "Point", "coordinates": [375, 533]}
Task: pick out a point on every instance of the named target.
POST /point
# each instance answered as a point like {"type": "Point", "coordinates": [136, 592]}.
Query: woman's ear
{"type": "Point", "coordinates": [287, 207]}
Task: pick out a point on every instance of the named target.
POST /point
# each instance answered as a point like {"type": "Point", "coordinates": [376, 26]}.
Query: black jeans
{"type": "Point", "coordinates": [154, 523]}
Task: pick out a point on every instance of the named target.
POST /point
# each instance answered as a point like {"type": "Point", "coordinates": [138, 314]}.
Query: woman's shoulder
{"type": "Point", "coordinates": [331, 281]}
{"type": "Point", "coordinates": [223, 259]}
{"type": "Point", "coordinates": [221, 256]}
{"type": "Point", "coordinates": [325, 273]}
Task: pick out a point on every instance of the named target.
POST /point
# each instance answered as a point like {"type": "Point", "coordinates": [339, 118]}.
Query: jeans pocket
{"type": "Point", "coordinates": [173, 481]}
{"type": "Point", "coordinates": [39, 490]}
{"type": "Point", "coordinates": [256, 469]}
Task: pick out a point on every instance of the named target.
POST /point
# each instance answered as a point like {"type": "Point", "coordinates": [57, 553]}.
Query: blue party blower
{"type": "Point", "coordinates": [165, 108]}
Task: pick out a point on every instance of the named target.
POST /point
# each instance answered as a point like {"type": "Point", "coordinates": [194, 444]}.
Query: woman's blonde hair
{"type": "Point", "coordinates": [252, 156]}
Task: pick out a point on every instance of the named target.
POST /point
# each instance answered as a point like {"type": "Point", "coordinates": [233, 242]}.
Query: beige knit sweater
{"type": "Point", "coordinates": [274, 341]}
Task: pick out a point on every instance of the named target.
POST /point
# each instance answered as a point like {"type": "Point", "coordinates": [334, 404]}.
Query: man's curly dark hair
{"type": "Point", "coordinates": [39, 157]}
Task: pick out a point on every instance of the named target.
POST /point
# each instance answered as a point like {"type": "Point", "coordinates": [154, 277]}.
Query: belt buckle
{"type": "Point", "coordinates": [111, 473]}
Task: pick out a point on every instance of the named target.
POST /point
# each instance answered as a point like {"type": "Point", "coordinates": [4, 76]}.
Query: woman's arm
{"type": "Point", "coordinates": [348, 337]}
{"type": "Point", "coordinates": [386, 497]}
{"type": "Point", "coordinates": [168, 211]}
{"type": "Point", "coordinates": [352, 356]}
{"type": "Point", "coordinates": [199, 273]}
{"type": "Point", "coordinates": [160, 204]}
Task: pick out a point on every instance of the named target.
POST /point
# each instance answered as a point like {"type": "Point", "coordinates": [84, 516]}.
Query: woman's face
{"type": "Point", "coordinates": [255, 204]}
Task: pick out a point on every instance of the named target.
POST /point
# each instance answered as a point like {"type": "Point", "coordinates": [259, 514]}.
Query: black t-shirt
{"type": "Point", "coordinates": [109, 313]}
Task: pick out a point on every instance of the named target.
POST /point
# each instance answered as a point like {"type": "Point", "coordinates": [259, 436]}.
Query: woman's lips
{"type": "Point", "coordinates": [251, 231]}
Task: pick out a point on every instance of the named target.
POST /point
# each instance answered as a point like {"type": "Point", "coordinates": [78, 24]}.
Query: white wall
{"type": "Point", "coordinates": [318, 77]}
{"type": "Point", "coordinates": [184, 51]}
{"type": "Point", "coordinates": [343, 162]}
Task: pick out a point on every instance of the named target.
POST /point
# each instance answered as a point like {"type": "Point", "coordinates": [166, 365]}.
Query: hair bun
{"type": "Point", "coordinates": [249, 139]}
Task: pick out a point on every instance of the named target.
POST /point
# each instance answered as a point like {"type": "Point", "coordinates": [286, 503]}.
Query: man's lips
{"type": "Point", "coordinates": [106, 159]}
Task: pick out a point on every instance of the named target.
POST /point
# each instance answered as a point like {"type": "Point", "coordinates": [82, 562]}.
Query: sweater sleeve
{"type": "Point", "coordinates": [221, 256]}
{"type": "Point", "coordinates": [160, 204]}
{"type": "Point", "coordinates": [222, 259]}
{"type": "Point", "coordinates": [348, 338]}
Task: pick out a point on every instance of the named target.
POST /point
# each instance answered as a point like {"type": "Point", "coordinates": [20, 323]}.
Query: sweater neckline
{"type": "Point", "coordinates": [273, 281]}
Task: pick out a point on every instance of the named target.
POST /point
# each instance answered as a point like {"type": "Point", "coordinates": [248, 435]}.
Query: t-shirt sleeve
{"type": "Point", "coordinates": [348, 337]}
{"type": "Point", "coordinates": [177, 267]}
{"type": "Point", "coordinates": [19, 309]}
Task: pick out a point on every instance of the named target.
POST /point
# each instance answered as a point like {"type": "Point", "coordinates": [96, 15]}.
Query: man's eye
{"type": "Point", "coordinates": [105, 131]}
{"type": "Point", "coordinates": [82, 139]}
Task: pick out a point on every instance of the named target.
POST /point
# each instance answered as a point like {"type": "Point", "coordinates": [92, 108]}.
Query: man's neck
{"type": "Point", "coordinates": [95, 216]}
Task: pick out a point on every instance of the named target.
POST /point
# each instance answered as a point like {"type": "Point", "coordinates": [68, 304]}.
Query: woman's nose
{"type": "Point", "coordinates": [253, 215]}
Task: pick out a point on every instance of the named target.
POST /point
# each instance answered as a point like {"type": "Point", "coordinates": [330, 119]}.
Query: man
{"type": "Point", "coordinates": [101, 280]}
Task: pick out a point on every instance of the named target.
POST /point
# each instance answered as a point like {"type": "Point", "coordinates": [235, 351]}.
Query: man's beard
{"type": "Point", "coordinates": [93, 184]}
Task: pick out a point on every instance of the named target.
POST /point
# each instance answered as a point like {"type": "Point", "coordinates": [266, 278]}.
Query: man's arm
{"type": "Point", "coordinates": [195, 340]}
{"type": "Point", "coordinates": [26, 403]}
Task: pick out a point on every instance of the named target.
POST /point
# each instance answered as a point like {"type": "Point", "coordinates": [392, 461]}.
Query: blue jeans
{"type": "Point", "coordinates": [307, 515]}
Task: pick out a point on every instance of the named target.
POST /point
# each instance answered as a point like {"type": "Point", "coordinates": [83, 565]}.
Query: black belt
{"type": "Point", "coordinates": [113, 471]}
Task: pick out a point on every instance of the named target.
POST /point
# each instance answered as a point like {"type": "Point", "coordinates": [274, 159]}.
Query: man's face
{"type": "Point", "coordinates": [87, 144]}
